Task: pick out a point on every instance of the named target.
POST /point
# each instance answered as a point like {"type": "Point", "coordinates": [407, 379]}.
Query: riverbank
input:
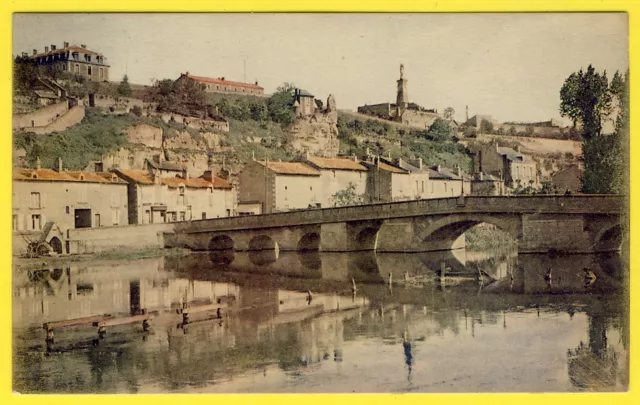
{"type": "Point", "coordinates": [25, 263]}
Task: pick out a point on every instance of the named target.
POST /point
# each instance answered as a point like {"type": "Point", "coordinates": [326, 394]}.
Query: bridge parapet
{"type": "Point", "coordinates": [583, 204]}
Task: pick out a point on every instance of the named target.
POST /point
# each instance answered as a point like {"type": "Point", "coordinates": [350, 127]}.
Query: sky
{"type": "Point", "coordinates": [509, 66]}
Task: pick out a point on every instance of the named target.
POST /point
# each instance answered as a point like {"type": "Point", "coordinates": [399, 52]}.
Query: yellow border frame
{"type": "Point", "coordinates": [7, 7]}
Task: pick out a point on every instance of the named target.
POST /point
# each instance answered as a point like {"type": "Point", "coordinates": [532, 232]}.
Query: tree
{"type": "Point", "coordinates": [486, 126]}
{"type": "Point", "coordinates": [440, 130]}
{"type": "Point", "coordinates": [449, 112]}
{"type": "Point", "coordinates": [280, 106]}
{"type": "Point", "coordinates": [586, 99]}
{"type": "Point", "coordinates": [124, 88]}
{"type": "Point", "coordinates": [347, 196]}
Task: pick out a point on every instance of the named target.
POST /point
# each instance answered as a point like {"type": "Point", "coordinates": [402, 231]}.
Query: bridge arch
{"type": "Point", "coordinates": [442, 233]}
{"type": "Point", "coordinates": [221, 243]}
{"type": "Point", "coordinates": [609, 239]}
{"type": "Point", "coordinates": [310, 242]}
{"type": "Point", "coordinates": [367, 239]}
{"type": "Point", "coordinates": [262, 242]}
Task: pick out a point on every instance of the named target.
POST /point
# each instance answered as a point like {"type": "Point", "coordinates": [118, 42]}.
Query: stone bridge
{"type": "Point", "coordinates": [540, 224]}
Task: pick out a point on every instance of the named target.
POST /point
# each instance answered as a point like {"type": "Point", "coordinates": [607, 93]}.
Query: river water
{"type": "Point", "coordinates": [490, 324]}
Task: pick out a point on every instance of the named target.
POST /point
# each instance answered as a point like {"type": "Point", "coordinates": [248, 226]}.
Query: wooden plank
{"type": "Point", "coordinates": [75, 322]}
{"type": "Point", "coordinates": [124, 321]}
{"type": "Point", "coordinates": [201, 308]}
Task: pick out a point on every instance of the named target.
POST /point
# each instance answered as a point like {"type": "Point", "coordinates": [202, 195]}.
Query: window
{"type": "Point", "coordinates": [64, 67]}
{"type": "Point", "coordinates": [101, 73]}
{"type": "Point", "coordinates": [77, 68]}
{"type": "Point", "coordinates": [445, 186]}
{"type": "Point", "coordinates": [36, 224]}
{"type": "Point", "coordinates": [182, 215]}
{"type": "Point", "coordinates": [204, 215]}
{"type": "Point", "coordinates": [417, 189]}
{"type": "Point", "coordinates": [66, 209]}
{"type": "Point", "coordinates": [311, 188]}
{"type": "Point", "coordinates": [14, 222]}
{"type": "Point", "coordinates": [285, 187]}
{"type": "Point", "coordinates": [115, 217]}
{"type": "Point", "coordinates": [89, 70]}
{"type": "Point", "coordinates": [96, 222]}
{"type": "Point", "coordinates": [35, 200]}
{"type": "Point", "coordinates": [423, 186]}
{"type": "Point", "coordinates": [181, 190]}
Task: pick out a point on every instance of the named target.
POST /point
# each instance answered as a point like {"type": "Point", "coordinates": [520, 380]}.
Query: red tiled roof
{"type": "Point", "coordinates": [391, 168]}
{"type": "Point", "coordinates": [336, 163]}
{"type": "Point", "coordinates": [292, 168]}
{"type": "Point", "coordinates": [223, 82]}
{"type": "Point", "coordinates": [138, 176]}
{"type": "Point", "coordinates": [143, 177]}
{"type": "Point", "coordinates": [197, 182]}
{"type": "Point", "coordinates": [54, 175]}
{"type": "Point", "coordinates": [72, 48]}
{"type": "Point", "coordinates": [219, 182]}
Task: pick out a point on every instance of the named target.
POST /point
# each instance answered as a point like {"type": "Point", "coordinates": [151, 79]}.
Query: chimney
{"type": "Point", "coordinates": [53, 47]}
{"type": "Point", "coordinates": [46, 49]}
{"type": "Point", "coordinates": [83, 46]}
{"type": "Point", "coordinates": [185, 174]}
{"type": "Point", "coordinates": [256, 82]}
{"type": "Point", "coordinates": [368, 152]}
{"type": "Point", "coordinates": [253, 155]}
{"type": "Point", "coordinates": [497, 146]}
{"type": "Point", "coordinates": [481, 176]}
{"type": "Point", "coordinates": [38, 165]}
{"type": "Point", "coordinates": [59, 164]}
{"type": "Point", "coordinates": [208, 175]}
{"type": "Point", "coordinates": [66, 44]}
{"type": "Point", "coordinates": [35, 52]}
{"type": "Point", "coordinates": [222, 78]}
{"type": "Point", "coordinates": [518, 148]}
{"type": "Point", "coordinates": [306, 155]}
{"type": "Point", "coordinates": [354, 157]}
{"type": "Point", "coordinates": [24, 54]}
{"type": "Point", "coordinates": [377, 158]}
{"type": "Point", "coordinates": [438, 168]}
{"type": "Point", "coordinates": [420, 162]}
{"type": "Point", "coordinates": [458, 171]}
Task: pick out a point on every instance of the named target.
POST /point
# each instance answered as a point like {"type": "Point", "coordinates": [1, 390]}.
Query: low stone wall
{"type": "Point", "coordinates": [94, 240]}
{"type": "Point", "coordinates": [69, 119]}
{"type": "Point", "coordinates": [41, 117]}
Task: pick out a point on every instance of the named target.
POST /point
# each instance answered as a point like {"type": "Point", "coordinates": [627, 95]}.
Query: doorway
{"type": "Point", "coordinates": [82, 217]}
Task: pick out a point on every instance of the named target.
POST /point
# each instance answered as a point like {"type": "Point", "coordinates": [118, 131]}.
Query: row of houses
{"type": "Point", "coordinates": [315, 182]}
{"type": "Point", "coordinates": [54, 200]}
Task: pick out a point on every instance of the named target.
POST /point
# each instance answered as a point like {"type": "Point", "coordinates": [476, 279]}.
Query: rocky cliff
{"type": "Point", "coordinates": [317, 133]}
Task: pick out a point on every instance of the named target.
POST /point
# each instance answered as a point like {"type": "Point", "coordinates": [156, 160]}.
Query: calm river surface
{"type": "Point", "coordinates": [492, 324]}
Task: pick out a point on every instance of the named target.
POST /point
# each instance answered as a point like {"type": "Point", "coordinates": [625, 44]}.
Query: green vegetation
{"type": "Point", "coordinates": [489, 238]}
{"type": "Point", "coordinates": [95, 135]}
{"type": "Point", "coordinates": [434, 145]}
{"type": "Point", "coordinates": [124, 89]}
{"type": "Point", "coordinates": [348, 196]}
{"type": "Point", "coordinates": [588, 98]}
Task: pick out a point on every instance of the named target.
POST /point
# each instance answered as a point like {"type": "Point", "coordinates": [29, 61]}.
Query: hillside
{"type": "Point", "coordinates": [128, 139]}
